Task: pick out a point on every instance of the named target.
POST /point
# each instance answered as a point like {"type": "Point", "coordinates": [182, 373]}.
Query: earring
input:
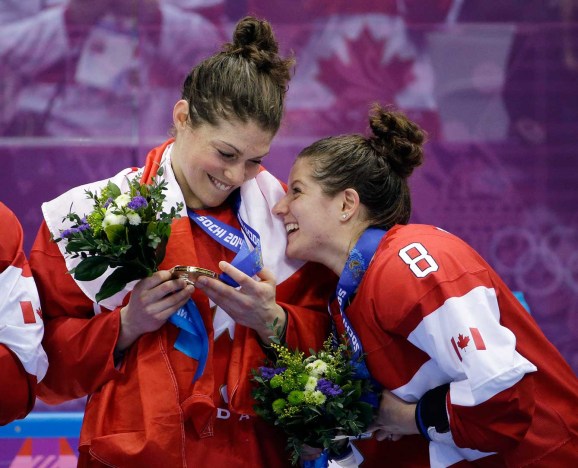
{"type": "Point", "coordinates": [344, 215]}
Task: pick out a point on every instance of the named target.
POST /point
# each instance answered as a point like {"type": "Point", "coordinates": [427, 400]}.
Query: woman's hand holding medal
{"type": "Point", "coordinates": [252, 304]}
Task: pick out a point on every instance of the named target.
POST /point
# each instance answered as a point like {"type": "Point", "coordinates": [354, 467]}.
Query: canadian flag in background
{"type": "Point", "coordinates": [462, 344]}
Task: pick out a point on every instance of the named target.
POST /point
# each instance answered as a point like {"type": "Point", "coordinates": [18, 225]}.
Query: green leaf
{"type": "Point", "coordinates": [115, 232]}
{"type": "Point", "coordinates": [90, 268]}
{"type": "Point", "coordinates": [77, 244]}
{"type": "Point", "coordinates": [119, 279]}
{"type": "Point", "coordinates": [113, 190]}
{"type": "Point", "coordinates": [161, 251]}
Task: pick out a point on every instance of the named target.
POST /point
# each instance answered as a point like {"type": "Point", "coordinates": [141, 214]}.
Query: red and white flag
{"type": "Point", "coordinates": [462, 344]}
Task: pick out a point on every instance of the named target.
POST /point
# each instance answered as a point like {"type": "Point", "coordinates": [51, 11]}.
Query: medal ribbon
{"type": "Point", "coordinates": [249, 261]}
{"type": "Point", "coordinates": [193, 339]}
{"type": "Point", "coordinates": [355, 267]}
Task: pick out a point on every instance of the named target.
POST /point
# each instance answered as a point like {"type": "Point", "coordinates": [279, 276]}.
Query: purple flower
{"type": "Point", "coordinates": [108, 202]}
{"type": "Point", "coordinates": [328, 388]}
{"type": "Point", "coordinates": [269, 372]}
{"type": "Point", "coordinates": [69, 232]}
{"type": "Point", "coordinates": [83, 227]}
{"type": "Point", "coordinates": [137, 203]}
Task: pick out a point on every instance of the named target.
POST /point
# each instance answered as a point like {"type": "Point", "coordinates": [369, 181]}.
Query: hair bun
{"type": "Point", "coordinates": [254, 40]}
{"type": "Point", "coordinates": [253, 32]}
{"type": "Point", "coordinates": [398, 139]}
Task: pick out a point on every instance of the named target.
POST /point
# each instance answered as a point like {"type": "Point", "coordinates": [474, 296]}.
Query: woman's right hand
{"type": "Point", "coordinates": [395, 418]}
{"type": "Point", "coordinates": [153, 300]}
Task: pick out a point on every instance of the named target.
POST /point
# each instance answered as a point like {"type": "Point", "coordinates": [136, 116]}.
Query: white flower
{"type": "Point", "coordinates": [133, 218]}
{"type": "Point", "coordinates": [316, 397]}
{"type": "Point", "coordinates": [311, 384]}
{"type": "Point", "coordinates": [317, 368]}
{"type": "Point", "coordinates": [122, 200]}
{"type": "Point", "coordinates": [111, 219]}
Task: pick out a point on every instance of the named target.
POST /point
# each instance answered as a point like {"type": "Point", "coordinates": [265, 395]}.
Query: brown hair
{"type": "Point", "coordinates": [377, 167]}
{"type": "Point", "coordinates": [247, 80]}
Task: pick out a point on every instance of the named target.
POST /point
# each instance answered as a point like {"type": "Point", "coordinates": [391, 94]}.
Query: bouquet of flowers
{"type": "Point", "coordinates": [125, 231]}
{"type": "Point", "coordinates": [316, 400]}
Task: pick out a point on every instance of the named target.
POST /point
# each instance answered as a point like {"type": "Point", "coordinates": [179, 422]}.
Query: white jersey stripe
{"type": "Point", "coordinates": [443, 455]}
{"type": "Point", "coordinates": [23, 339]}
{"type": "Point", "coordinates": [427, 377]}
{"type": "Point", "coordinates": [476, 374]}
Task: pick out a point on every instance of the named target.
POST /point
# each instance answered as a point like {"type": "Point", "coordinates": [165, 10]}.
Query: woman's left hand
{"type": "Point", "coordinates": [309, 453]}
{"type": "Point", "coordinates": [395, 418]}
{"type": "Point", "coordinates": [252, 305]}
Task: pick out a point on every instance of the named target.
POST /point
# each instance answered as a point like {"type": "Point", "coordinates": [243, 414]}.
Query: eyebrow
{"type": "Point", "coordinates": [239, 151]}
{"type": "Point", "coordinates": [230, 146]}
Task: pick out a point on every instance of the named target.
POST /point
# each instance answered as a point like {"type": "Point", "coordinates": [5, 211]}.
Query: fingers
{"type": "Point", "coordinates": [267, 275]}
{"type": "Point", "coordinates": [216, 289]}
{"type": "Point", "coordinates": [241, 278]}
{"type": "Point", "coordinates": [152, 281]}
{"type": "Point", "coordinates": [171, 302]}
{"type": "Point", "coordinates": [382, 435]}
{"type": "Point", "coordinates": [159, 295]}
{"type": "Point", "coordinates": [159, 285]}
{"type": "Point", "coordinates": [373, 427]}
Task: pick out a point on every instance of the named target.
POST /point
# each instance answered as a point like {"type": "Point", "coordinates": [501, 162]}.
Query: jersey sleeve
{"type": "Point", "coordinates": [79, 342]}
{"type": "Point", "coordinates": [22, 358]}
{"type": "Point", "coordinates": [17, 388]}
{"type": "Point", "coordinates": [490, 399]}
{"type": "Point", "coordinates": [451, 313]}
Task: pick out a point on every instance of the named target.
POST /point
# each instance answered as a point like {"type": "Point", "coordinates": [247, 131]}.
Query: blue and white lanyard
{"type": "Point", "coordinates": [193, 339]}
{"type": "Point", "coordinates": [355, 267]}
{"type": "Point", "coordinates": [248, 261]}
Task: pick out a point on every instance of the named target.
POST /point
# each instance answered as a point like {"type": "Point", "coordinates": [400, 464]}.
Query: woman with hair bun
{"type": "Point", "coordinates": [151, 403]}
{"type": "Point", "coordinates": [468, 378]}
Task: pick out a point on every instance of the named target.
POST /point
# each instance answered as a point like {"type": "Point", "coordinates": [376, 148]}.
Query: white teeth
{"type": "Point", "coordinates": [291, 227]}
{"type": "Point", "coordinates": [220, 185]}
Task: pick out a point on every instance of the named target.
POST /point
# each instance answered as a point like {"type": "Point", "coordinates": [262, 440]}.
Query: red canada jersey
{"type": "Point", "coordinates": [22, 358]}
{"type": "Point", "coordinates": [148, 411]}
{"type": "Point", "coordinates": [431, 311]}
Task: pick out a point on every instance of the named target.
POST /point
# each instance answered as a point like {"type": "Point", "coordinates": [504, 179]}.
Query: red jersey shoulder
{"type": "Point", "coordinates": [10, 236]}
{"type": "Point", "coordinates": [424, 252]}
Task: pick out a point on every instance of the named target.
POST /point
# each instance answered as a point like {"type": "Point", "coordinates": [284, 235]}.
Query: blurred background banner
{"type": "Point", "coordinates": [87, 88]}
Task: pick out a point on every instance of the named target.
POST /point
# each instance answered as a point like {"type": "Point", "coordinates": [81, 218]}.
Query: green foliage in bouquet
{"type": "Point", "coordinates": [314, 398]}
{"type": "Point", "coordinates": [125, 231]}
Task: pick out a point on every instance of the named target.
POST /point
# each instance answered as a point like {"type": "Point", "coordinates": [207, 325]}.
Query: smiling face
{"type": "Point", "coordinates": [210, 162]}
{"type": "Point", "coordinates": [313, 220]}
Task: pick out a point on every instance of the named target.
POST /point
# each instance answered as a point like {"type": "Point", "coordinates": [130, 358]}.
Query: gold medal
{"type": "Point", "coordinates": [191, 273]}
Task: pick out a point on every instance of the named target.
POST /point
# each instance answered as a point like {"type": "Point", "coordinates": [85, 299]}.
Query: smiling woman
{"type": "Point", "coordinates": [469, 378]}
{"type": "Point", "coordinates": [168, 386]}
{"type": "Point", "coordinates": [210, 162]}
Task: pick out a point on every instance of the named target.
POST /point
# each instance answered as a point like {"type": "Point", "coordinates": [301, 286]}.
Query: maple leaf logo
{"type": "Point", "coordinates": [364, 79]}
{"type": "Point", "coordinates": [221, 322]}
{"type": "Point", "coordinates": [463, 341]}
{"type": "Point", "coordinates": [356, 263]}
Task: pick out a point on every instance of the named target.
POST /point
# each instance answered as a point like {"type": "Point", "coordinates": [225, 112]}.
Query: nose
{"type": "Point", "coordinates": [281, 207]}
{"type": "Point", "coordinates": [235, 174]}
